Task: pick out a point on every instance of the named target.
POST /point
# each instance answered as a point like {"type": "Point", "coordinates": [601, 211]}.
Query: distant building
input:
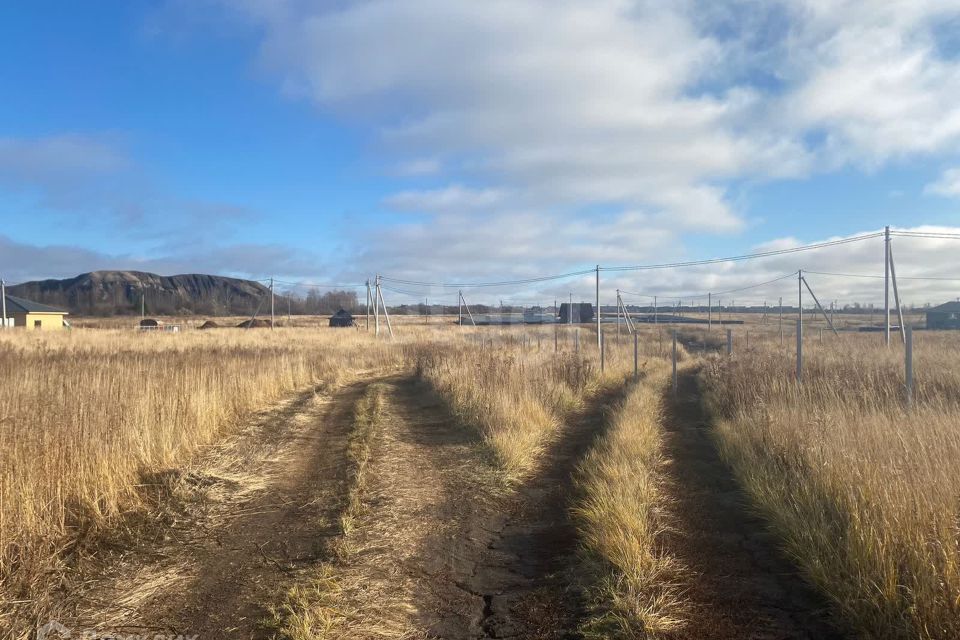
{"type": "Point", "coordinates": [341, 318]}
{"type": "Point", "coordinates": [946, 316]}
{"type": "Point", "coordinates": [33, 315]}
{"type": "Point", "coordinates": [582, 312]}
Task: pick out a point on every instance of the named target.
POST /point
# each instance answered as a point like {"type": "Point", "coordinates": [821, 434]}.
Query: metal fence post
{"type": "Point", "coordinates": [729, 342]}
{"type": "Point", "coordinates": [674, 361]}
{"type": "Point", "coordinates": [636, 359]}
{"type": "Point", "coordinates": [908, 366]}
{"type": "Point", "coordinates": [799, 351]}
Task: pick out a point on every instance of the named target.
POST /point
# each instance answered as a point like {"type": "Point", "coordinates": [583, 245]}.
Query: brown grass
{"type": "Point", "coordinates": [85, 416]}
{"type": "Point", "coordinates": [636, 590]}
{"type": "Point", "coordinates": [863, 492]}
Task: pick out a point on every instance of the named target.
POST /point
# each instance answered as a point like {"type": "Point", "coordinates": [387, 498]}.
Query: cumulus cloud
{"type": "Point", "coordinates": [564, 103]}
{"type": "Point", "coordinates": [564, 110]}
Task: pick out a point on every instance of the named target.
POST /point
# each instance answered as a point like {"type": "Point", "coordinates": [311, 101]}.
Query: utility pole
{"type": "Point", "coordinates": [781, 321]}
{"type": "Point", "coordinates": [886, 286]}
{"type": "Point", "coordinates": [655, 321]}
{"type": "Point", "coordinates": [709, 312]}
{"type": "Point", "coordinates": [599, 346]}
{"type": "Point", "coordinates": [376, 305]}
{"type": "Point", "coordinates": [570, 310]}
{"type": "Point", "coordinates": [799, 302]}
{"type": "Point", "coordinates": [368, 304]}
{"type": "Point", "coordinates": [143, 303]}
{"type": "Point", "coordinates": [3, 296]}
{"type": "Point", "coordinates": [271, 303]}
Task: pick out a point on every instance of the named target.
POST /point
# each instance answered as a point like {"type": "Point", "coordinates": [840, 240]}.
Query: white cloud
{"type": "Point", "coordinates": [567, 103]}
{"type": "Point", "coordinates": [947, 185]}
{"type": "Point", "coordinates": [580, 117]}
{"type": "Point", "coordinates": [454, 198]}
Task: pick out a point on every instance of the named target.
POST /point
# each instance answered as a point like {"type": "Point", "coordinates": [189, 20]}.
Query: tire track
{"type": "Point", "coordinates": [270, 504]}
{"type": "Point", "coordinates": [744, 587]}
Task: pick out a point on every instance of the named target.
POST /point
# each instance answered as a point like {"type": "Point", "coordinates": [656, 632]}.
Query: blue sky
{"type": "Point", "coordinates": [429, 139]}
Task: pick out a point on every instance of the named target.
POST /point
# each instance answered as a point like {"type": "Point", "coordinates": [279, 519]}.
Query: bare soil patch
{"type": "Point", "coordinates": [264, 506]}
{"type": "Point", "coordinates": [743, 586]}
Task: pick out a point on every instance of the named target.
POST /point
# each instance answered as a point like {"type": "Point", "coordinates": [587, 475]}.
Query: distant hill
{"type": "Point", "coordinates": [105, 293]}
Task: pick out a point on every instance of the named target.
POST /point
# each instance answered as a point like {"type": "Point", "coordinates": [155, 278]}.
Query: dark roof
{"type": "Point", "coordinates": [947, 307]}
{"type": "Point", "coordinates": [22, 305]}
{"type": "Point", "coordinates": [343, 313]}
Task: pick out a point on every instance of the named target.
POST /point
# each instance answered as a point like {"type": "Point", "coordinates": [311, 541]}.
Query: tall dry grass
{"type": "Point", "coordinates": [516, 385]}
{"type": "Point", "coordinates": [865, 493]}
{"type": "Point", "coordinates": [86, 417]}
{"type": "Point", "coordinates": [636, 586]}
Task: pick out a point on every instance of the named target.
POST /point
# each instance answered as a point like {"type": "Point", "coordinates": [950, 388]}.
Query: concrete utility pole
{"type": "Point", "coordinates": [460, 307]}
{"type": "Point", "coordinates": [800, 301]}
{"type": "Point", "coordinates": [271, 303]}
{"type": "Point", "coordinates": [599, 345]}
{"type": "Point", "coordinates": [367, 305]}
{"type": "Point", "coordinates": [570, 310]}
{"type": "Point", "coordinates": [3, 296]}
{"type": "Point", "coordinates": [709, 312]}
{"type": "Point", "coordinates": [886, 286]}
{"type": "Point", "coordinates": [781, 321]}
{"type": "Point", "coordinates": [376, 305]}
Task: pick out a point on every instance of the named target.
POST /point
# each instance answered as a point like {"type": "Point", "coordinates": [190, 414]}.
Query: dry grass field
{"type": "Point", "coordinates": [456, 456]}
{"type": "Point", "coordinates": [863, 491]}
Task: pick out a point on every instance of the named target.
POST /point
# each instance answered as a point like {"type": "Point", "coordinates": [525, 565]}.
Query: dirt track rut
{"type": "Point", "coordinates": [743, 586]}
{"type": "Point", "coordinates": [264, 519]}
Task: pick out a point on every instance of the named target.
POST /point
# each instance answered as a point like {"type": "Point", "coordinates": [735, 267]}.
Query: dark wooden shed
{"type": "Point", "coordinates": [582, 312]}
{"type": "Point", "coordinates": [341, 318]}
{"type": "Point", "coordinates": [945, 316]}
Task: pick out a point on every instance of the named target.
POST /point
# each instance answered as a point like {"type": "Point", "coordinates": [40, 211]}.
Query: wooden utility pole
{"type": "Point", "coordinates": [271, 303]}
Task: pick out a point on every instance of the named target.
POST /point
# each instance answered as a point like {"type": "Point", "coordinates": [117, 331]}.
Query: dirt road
{"type": "Point", "coordinates": [743, 586]}
{"type": "Point", "coordinates": [268, 501]}
{"type": "Point", "coordinates": [442, 552]}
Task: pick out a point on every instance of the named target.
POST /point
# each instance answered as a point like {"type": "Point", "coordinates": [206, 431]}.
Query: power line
{"type": "Point", "coordinates": [702, 296]}
{"type": "Point", "coordinates": [315, 285]}
{"type": "Point", "coordinates": [942, 235]}
{"type": "Point", "coordinates": [503, 283]}
{"type": "Point", "coordinates": [874, 276]}
{"type": "Point", "coordinates": [748, 256]}
{"type": "Point", "coordinates": [641, 267]}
